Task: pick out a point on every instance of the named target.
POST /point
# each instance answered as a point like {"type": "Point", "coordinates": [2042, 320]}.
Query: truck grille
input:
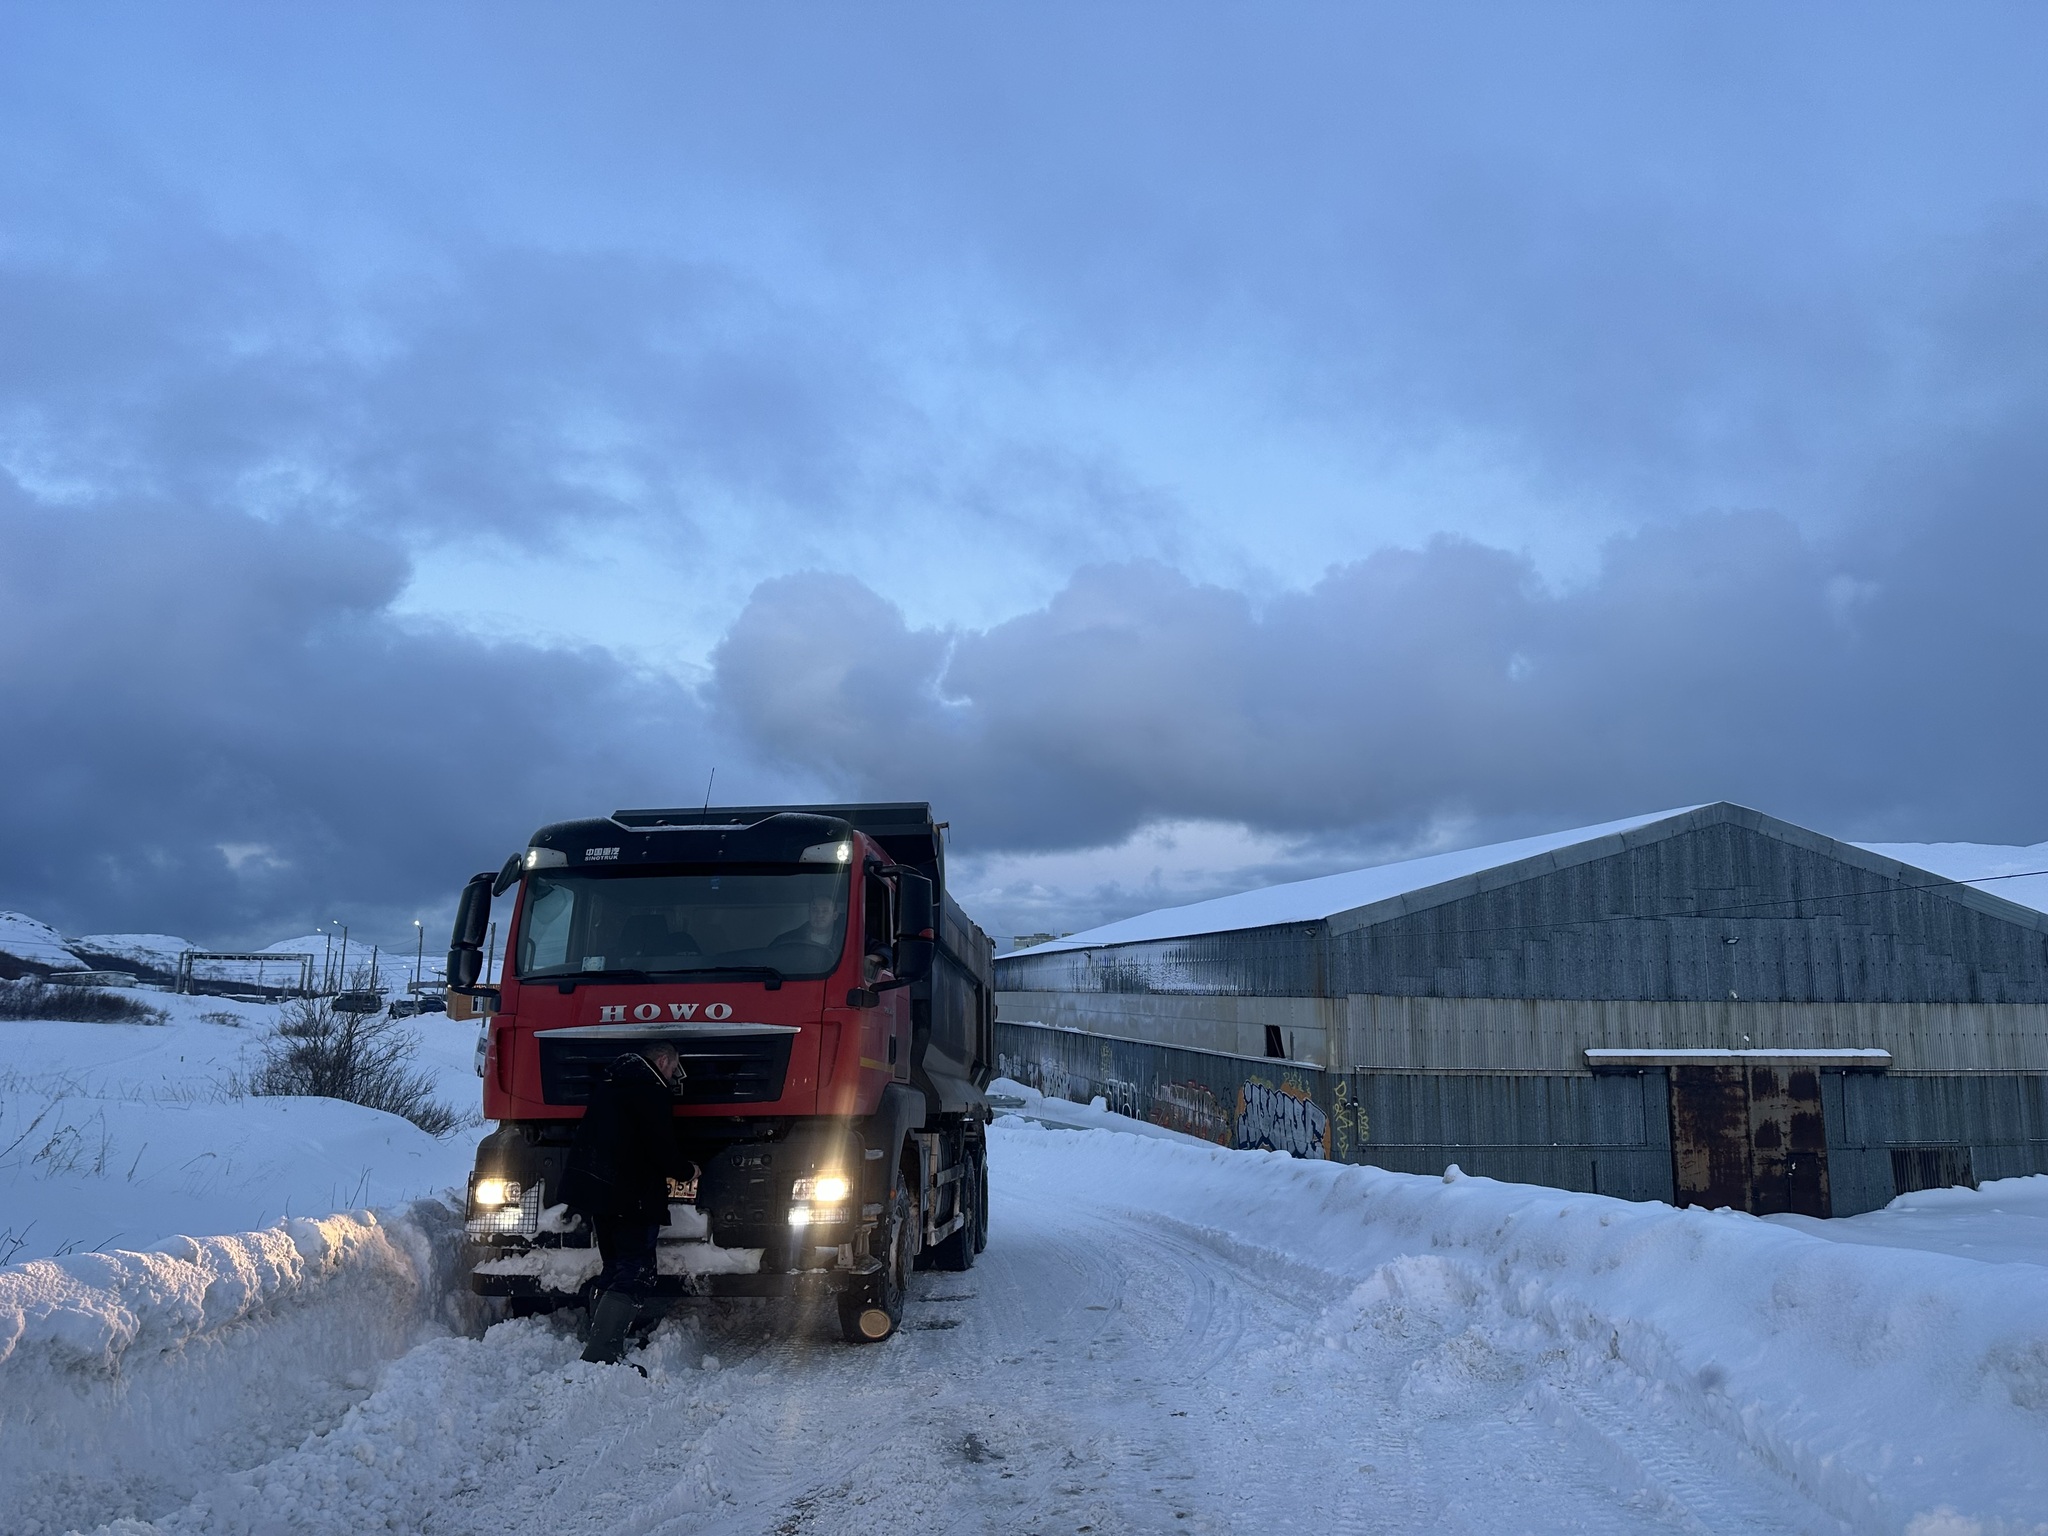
{"type": "Point", "coordinates": [722, 1069]}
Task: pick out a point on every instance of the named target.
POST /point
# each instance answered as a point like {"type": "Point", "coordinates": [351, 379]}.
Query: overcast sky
{"type": "Point", "coordinates": [1191, 445]}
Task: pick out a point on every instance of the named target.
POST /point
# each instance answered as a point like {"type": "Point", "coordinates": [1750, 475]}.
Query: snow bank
{"type": "Point", "coordinates": [1900, 1389]}
{"type": "Point", "coordinates": [115, 1135]}
{"type": "Point", "coordinates": [2002, 1222]}
{"type": "Point", "coordinates": [130, 1380]}
{"type": "Point", "coordinates": [42, 947]}
{"type": "Point", "coordinates": [1011, 1097]}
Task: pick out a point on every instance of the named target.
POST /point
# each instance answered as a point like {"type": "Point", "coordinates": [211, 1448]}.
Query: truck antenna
{"type": "Point", "coordinates": [707, 787]}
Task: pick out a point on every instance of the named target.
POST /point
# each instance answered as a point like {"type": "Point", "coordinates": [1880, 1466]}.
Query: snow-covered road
{"type": "Point", "coordinates": [1170, 1338]}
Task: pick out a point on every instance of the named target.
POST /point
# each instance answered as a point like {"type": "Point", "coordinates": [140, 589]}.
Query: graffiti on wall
{"type": "Point", "coordinates": [1121, 1096]}
{"type": "Point", "coordinates": [1191, 1108]}
{"type": "Point", "coordinates": [1282, 1119]}
{"type": "Point", "coordinates": [1350, 1126]}
{"type": "Point", "coordinates": [1203, 1097]}
{"type": "Point", "coordinates": [1047, 1074]}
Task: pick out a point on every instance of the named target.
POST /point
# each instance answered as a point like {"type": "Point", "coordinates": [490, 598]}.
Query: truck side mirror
{"type": "Point", "coordinates": [917, 927]}
{"type": "Point", "coordinates": [472, 921]}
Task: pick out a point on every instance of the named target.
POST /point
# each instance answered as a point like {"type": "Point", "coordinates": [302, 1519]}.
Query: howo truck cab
{"type": "Point", "coordinates": [834, 1011]}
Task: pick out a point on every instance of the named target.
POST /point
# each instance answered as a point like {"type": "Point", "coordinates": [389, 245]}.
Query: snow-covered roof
{"type": "Point", "coordinates": [2018, 874]}
{"type": "Point", "coordinates": [1308, 901]}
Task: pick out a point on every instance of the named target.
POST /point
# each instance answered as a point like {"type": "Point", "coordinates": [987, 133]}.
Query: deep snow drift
{"type": "Point", "coordinates": [130, 1381]}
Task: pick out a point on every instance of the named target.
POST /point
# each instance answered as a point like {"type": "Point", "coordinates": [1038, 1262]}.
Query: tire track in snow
{"type": "Point", "coordinates": [1099, 1368]}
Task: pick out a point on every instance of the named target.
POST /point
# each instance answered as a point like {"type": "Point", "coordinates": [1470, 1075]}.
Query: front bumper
{"type": "Point", "coordinates": [800, 1282]}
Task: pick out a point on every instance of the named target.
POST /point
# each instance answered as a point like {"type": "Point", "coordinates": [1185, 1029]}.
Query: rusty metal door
{"type": "Point", "coordinates": [1751, 1138]}
{"type": "Point", "coordinates": [1788, 1143]}
{"type": "Point", "coordinates": [1710, 1136]}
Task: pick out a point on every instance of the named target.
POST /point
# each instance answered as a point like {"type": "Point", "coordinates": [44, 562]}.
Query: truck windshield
{"type": "Point", "coordinates": [792, 922]}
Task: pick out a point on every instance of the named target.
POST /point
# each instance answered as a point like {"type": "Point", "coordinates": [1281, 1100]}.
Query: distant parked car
{"type": "Point", "coordinates": [361, 1001]}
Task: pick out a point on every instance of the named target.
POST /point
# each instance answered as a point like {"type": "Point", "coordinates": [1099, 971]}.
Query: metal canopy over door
{"type": "Point", "coordinates": [1749, 1137]}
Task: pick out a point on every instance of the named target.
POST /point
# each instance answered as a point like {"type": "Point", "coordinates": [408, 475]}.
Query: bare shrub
{"type": "Point", "coordinates": [32, 999]}
{"type": "Point", "coordinates": [363, 1058]}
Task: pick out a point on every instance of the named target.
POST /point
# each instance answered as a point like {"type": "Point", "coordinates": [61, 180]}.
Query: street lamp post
{"type": "Point", "coordinates": [419, 954]}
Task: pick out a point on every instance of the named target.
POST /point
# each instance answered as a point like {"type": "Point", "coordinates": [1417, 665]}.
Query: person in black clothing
{"type": "Point", "coordinates": [617, 1177]}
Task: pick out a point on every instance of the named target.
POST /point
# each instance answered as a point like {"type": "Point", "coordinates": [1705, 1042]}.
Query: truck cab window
{"type": "Point", "coordinates": [878, 933]}
{"type": "Point", "coordinates": [791, 921]}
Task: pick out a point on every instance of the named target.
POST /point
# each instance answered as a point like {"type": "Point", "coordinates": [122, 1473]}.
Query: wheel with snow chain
{"type": "Point", "coordinates": [871, 1313]}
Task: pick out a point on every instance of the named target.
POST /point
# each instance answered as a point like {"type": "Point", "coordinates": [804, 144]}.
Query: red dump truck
{"type": "Point", "coordinates": [835, 1014]}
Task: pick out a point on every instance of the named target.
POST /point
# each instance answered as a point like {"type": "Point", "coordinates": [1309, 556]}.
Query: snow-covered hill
{"type": "Point", "coordinates": [154, 953]}
{"type": "Point", "coordinates": [31, 948]}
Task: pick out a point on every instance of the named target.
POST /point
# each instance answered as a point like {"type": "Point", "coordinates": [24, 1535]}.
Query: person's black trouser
{"type": "Point", "coordinates": [627, 1248]}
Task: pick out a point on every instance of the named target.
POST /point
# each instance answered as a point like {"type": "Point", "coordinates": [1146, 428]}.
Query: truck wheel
{"type": "Point", "coordinates": [957, 1251]}
{"type": "Point", "coordinates": [873, 1312]}
{"type": "Point", "coordinates": [981, 1200]}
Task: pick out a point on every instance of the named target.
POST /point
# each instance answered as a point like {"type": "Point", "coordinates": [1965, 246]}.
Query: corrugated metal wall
{"type": "Point", "coordinates": [1494, 1034]}
{"type": "Point", "coordinates": [1606, 1134]}
{"type": "Point", "coordinates": [1877, 1121]}
{"type": "Point", "coordinates": [1233, 1101]}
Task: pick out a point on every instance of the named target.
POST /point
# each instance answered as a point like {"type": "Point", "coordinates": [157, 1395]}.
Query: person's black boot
{"type": "Point", "coordinates": [609, 1320]}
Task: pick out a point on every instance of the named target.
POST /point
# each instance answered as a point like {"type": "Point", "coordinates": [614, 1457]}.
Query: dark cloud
{"type": "Point", "coordinates": [213, 726]}
{"type": "Point", "coordinates": [1717, 656]}
{"type": "Point", "coordinates": [522, 393]}
{"type": "Point", "coordinates": [990, 302]}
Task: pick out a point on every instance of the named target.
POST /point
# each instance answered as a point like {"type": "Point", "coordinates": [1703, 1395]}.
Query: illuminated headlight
{"type": "Point", "coordinates": [503, 1208]}
{"type": "Point", "coordinates": [545, 858]}
{"type": "Point", "coordinates": [824, 1188]}
{"type": "Point", "coordinates": [827, 853]}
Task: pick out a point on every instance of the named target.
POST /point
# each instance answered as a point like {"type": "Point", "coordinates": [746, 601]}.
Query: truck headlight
{"type": "Point", "coordinates": [824, 1188]}
{"type": "Point", "coordinates": [501, 1207]}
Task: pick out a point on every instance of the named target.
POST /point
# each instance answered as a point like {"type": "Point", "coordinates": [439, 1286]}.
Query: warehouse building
{"type": "Point", "coordinates": [1707, 1006]}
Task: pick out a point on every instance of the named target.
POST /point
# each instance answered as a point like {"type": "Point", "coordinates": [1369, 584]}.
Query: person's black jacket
{"type": "Point", "coordinates": [619, 1162]}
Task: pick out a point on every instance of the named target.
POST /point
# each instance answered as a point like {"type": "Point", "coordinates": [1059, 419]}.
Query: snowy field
{"type": "Point", "coordinates": [1161, 1336]}
{"type": "Point", "coordinates": [115, 1135]}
